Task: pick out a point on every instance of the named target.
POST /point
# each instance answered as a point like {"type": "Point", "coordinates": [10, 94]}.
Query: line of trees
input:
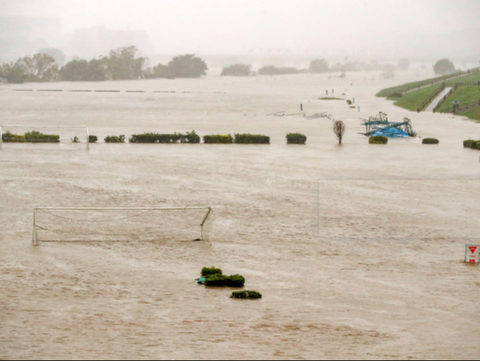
{"type": "Point", "coordinates": [121, 64]}
{"type": "Point", "coordinates": [317, 66]}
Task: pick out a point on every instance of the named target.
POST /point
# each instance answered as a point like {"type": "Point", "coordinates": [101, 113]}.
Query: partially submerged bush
{"type": "Point", "coordinates": [218, 139]}
{"type": "Point", "coordinates": [207, 271]}
{"type": "Point", "coordinates": [247, 138]}
{"type": "Point", "coordinates": [430, 141]}
{"type": "Point", "coordinates": [349, 102]}
{"type": "Point", "coordinates": [296, 138]}
{"type": "Point", "coordinates": [75, 139]}
{"type": "Point", "coordinates": [8, 137]}
{"type": "Point", "coordinates": [468, 143]}
{"type": "Point", "coordinates": [37, 137]}
{"type": "Point", "coordinates": [92, 138]}
{"type": "Point", "coordinates": [190, 137]}
{"type": "Point", "coordinates": [218, 280]}
{"type": "Point", "coordinates": [251, 295]}
{"type": "Point", "coordinates": [378, 139]}
{"type": "Point", "coordinates": [114, 139]}
{"type": "Point", "coordinates": [472, 144]}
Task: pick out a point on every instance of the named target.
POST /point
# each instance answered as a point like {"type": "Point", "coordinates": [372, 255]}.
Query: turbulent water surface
{"type": "Point", "coordinates": [357, 249]}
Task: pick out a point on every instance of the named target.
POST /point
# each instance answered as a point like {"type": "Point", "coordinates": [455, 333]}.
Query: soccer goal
{"type": "Point", "coordinates": [54, 224]}
{"type": "Point", "coordinates": [35, 134]}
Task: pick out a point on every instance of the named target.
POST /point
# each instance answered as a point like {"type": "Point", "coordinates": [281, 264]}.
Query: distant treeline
{"type": "Point", "coordinates": [317, 66]}
{"type": "Point", "coordinates": [125, 64]}
{"type": "Point", "coordinates": [121, 64]}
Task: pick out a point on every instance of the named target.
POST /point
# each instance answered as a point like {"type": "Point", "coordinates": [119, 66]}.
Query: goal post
{"type": "Point", "coordinates": [63, 132]}
{"type": "Point", "coordinates": [96, 224]}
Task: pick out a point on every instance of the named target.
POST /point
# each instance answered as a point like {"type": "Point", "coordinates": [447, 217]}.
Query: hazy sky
{"type": "Point", "coordinates": [237, 26]}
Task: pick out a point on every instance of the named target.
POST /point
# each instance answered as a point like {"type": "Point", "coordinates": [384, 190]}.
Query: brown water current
{"type": "Point", "coordinates": [357, 249]}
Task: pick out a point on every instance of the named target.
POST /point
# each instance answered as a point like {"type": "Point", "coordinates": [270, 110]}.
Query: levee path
{"type": "Point", "coordinates": [437, 99]}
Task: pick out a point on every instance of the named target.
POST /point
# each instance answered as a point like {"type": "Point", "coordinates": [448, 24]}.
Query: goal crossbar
{"type": "Point", "coordinates": [54, 224]}
{"type": "Point", "coordinates": [87, 134]}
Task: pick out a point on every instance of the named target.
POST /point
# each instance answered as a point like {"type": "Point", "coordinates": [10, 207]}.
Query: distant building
{"type": "Point", "coordinates": [25, 35]}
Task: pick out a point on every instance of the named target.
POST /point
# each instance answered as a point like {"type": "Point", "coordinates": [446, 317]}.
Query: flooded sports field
{"type": "Point", "coordinates": [358, 250]}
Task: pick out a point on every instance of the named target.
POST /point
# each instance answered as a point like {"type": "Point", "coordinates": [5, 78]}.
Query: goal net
{"type": "Point", "coordinates": [52, 224]}
{"type": "Point", "coordinates": [43, 134]}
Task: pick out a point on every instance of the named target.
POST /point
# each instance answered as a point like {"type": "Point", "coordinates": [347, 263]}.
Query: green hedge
{"type": "Point", "coordinates": [114, 139]}
{"type": "Point", "coordinates": [296, 138]}
{"type": "Point", "coordinates": [189, 137]}
{"type": "Point", "coordinates": [472, 144]}
{"type": "Point", "coordinates": [92, 138]}
{"type": "Point", "coordinates": [247, 138]}
{"type": "Point", "coordinates": [12, 138]}
{"type": "Point", "coordinates": [218, 139]}
{"type": "Point", "coordinates": [378, 139]}
{"type": "Point", "coordinates": [430, 141]}
{"type": "Point", "coordinates": [37, 137]}
{"type": "Point", "coordinates": [218, 280]}
{"type": "Point", "coordinates": [251, 295]}
{"type": "Point", "coordinates": [207, 271]}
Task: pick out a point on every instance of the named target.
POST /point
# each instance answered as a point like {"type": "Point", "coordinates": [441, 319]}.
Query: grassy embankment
{"type": "Point", "coordinates": [413, 99]}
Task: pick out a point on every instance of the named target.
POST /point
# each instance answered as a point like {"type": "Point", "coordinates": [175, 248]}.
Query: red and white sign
{"type": "Point", "coordinates": [472, 253]}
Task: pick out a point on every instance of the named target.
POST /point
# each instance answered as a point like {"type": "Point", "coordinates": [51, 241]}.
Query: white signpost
{"type": "Point", "coordinates": [472, 253]}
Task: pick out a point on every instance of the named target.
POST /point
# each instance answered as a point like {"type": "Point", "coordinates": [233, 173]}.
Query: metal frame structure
{"type": "Point", "coordinates": [380, 121]}
{"type": "Point", "coordinates": [46, 127]}
{"type": "Point", "coordinates": [35, 241]}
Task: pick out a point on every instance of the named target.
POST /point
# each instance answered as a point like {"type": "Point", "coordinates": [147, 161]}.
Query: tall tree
{"type": "Point", "coordinates": [40, 67]}
{"type": "Point", "coordinates": [443, 67]}
{"type": "Point", "coordinates": [339, 130]}
{"type": "Point", "coordinates": [81, 70]}
{"type": "Point", "coordinates": [237, 70]}
{"type": "Point", "coordinates": [318, 66]}
{"type": "Point", "coordinates": [123, 64]}
{"type": "Point", "coordinates": [74, 70]}
{"type": "Point", "coordinates": [13, 72]}
{"type": "Point", "coordinates": [187, 66]}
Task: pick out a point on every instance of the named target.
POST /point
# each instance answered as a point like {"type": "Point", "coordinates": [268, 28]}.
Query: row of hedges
{"type": "Point", "coordinates": [472, 144]}
{"type": "Point", "coordinates": [189, 137]}
{"type": "Point", "coordinates": [430, 141]}
{"type": "Point", "coordinates": [30, 137]}
{"type": "Point", "coordinates": [192, 137]}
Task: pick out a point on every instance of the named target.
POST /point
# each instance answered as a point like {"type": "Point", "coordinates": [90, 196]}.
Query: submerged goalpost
{"type": "Point", "coordinates": [62, 224]}
{"type": "Point", "coordinates": [65, 130]}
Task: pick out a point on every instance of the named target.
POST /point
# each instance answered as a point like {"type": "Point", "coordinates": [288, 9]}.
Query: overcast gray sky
{"type": "Point", "coordinates": [236, 26]}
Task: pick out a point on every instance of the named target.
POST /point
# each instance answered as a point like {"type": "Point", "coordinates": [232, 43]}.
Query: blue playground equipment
{"type": "Point", "coordinates": [379, 125]}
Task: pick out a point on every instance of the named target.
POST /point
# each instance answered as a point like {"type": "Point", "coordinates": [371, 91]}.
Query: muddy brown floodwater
{"type": "Point", "coordinates": [357, 249]}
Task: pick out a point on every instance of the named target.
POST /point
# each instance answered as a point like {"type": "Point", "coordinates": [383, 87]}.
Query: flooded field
{"type": "Point", "coordinates": [358, 249]}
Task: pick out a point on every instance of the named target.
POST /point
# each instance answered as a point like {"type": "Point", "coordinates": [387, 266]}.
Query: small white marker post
{"type": "Point", "coordinates": [472, 253]}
